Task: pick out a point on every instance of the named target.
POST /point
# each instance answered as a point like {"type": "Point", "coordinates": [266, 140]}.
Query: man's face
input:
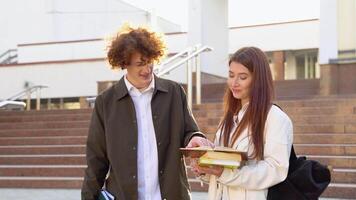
{"type": "Point", "coordinates": [139, 72]}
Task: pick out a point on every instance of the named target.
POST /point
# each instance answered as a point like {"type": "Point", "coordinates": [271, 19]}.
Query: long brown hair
{"type": "Point", "coordinates": [261, 96]}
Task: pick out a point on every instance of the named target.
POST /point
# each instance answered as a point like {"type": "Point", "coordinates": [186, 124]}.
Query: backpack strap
{"type": "Point", "coordinates": [293, 156]}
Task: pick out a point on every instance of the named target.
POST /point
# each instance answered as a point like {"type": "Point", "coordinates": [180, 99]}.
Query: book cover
{"type": "Point", "coordinates": [105, 195]}
{"type": "Point", "coordinates": [223, 156]}
{"type": "Point", "coordinates": [231, 164]}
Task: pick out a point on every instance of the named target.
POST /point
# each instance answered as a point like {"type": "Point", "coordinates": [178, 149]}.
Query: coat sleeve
{"type": "Point", "coordinates": [96, 156]}
{"type": "Point", "coordinates": [190, 126]}
{"type": "Point", "coordinates": [273, 168]}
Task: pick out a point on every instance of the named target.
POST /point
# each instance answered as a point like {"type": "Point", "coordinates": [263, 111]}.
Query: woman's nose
{"type": "Point", "coordinates": [236, 82]}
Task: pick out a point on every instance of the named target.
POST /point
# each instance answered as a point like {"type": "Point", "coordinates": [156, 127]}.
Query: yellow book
{"type": "Point", "coordinates": [232, 164]}
{"type": "Point", "coordinates": [223, 156]}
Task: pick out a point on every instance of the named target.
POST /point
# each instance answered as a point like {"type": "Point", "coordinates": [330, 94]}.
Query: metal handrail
{"type": "Point", "coordinates": [202, 49]}
{"type": "Point", "coordinates": [28, 92]}
{"type": "Point", "coordinates": [193, 53]}
{"type": "Point", "coordinates": [25, 92]}
{"type": "Point", "coordinates": [8, 56]}
{"type": "Point", "coordinates": [183, 53]}
{"type": "Point", "coordinates": [12, 105]}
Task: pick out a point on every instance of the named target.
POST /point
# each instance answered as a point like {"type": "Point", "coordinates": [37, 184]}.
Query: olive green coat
{"type": "Point", "coordinates": [112, 142]}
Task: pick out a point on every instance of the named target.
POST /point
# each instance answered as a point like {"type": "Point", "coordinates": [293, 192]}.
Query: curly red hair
{"type": "Point", "coordinates": [134, 40]}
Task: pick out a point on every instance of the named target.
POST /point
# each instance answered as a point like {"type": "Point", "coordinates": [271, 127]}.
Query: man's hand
{"type": "Point", "coordinates": [197, 141]}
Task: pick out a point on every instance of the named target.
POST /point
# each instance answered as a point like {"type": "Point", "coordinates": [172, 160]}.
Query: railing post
{"type": "Point", "coordinates": [189, 82]}
{"type": "Point", "coordinates": [28, 101]}
{"type": "Point", "coordinates": [38, 98]}
{"type": "Point", "coordinates": [198, 80]}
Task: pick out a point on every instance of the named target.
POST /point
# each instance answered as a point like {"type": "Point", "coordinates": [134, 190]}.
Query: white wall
{"type": "Point", "coordinates": [64, 79]}
{"type": "Point", "coordinates": [61, 51]}
{"type": "Point", "coordinates": [208, 25]}
{"type": "Point", "coordinates": [34, 21]}
{"type": "Point", "coordinates": [23, 21]}
{"type": "Point", "coordinates": [286, 36]}
{"type": "Point", "coordinates": [328, 47]}
{"type": "Point", "coordinates": [85, 49]}
{"type": "Point", "coordinates": [176, 42]}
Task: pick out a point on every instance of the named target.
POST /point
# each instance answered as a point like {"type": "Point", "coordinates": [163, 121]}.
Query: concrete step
{"type": "Point", "coordinates": [44, 132]}
{"type": "Point", "coordinates": [324, 119]}
{"type": "Point", "coordinates": [64, 159]}
{"type": "Point", "coordinates": [42, 170]}
{"type": "Point", "coordinates": [216, 110]}
{"type": "Point", "coordinates": [335, 161]}
{"type": "Point", "coordinates": [326, 149]}
{"type": "Point", "coordinates": [334, 190]}
{"type": "Point", "coordinates": [45, 112]}
{"type": "Point", "coordinates": [42, 149]}
{"type": "Point", "coordinates": [343, 175]}
{"type": "Point", "coordinates": [45, 118]}
{"type": "Point", "coordinates": [325, 138]}
{"type": "Point", "coordinates": [41, 182]}
{"type": "Point", "coordinates": [301, 128]}
{"type": "Point", "coordinates": [317, 102]}
{"type": "Point", "coordinates": [208, 113]}
{"type": "Point", "coordinates": [45, 140]}
{"type": "Point", "coordinates": [332, 110]}
{"type": "Point", "coordinates": [209, 119]}
{"type": "Point", "coordinates": [320, 128]}
{"type": "Point", "coordinates": [340, 191]}
{"type": "Point", "coordinates": [42, 125]}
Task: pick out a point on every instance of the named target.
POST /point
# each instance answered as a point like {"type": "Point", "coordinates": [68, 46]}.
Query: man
{"type": "Point", "coordinates": [138, 126]}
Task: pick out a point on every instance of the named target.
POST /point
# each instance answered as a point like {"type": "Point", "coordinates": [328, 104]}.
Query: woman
{"type": "Point", "coordinates": [253, 124]}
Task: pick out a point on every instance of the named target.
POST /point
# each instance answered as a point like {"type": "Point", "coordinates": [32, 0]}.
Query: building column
{"type": "Point", "coordinates": [328, 47]}
{"type": "Point", "coordinates": [278, 63]}
{"type": "Point", "coordinates": [208, 25]}
{"type": "Point", "coordinates": [328, 43]}
{"type": "Point", "coordinates": [329, 79]}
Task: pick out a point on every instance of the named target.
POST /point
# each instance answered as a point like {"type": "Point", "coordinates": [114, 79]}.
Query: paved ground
{"type": "Point", "coordinates": [47, 194]}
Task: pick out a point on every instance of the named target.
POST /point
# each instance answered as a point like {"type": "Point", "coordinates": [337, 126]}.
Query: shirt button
{"type": "Point", "coordinates": [134, 177]}
{"type": "Point", "coordinates": [155, 117]}
{"type": "Point", "coordinates": [134, 148]}
{"type": "Point", "coordinates": [161, 172]}
{"type": "Point", "coordinates": [159, 143]}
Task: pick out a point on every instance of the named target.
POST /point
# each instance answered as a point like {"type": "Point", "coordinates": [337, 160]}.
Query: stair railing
{"type": "Point", "coordinates": [28, 92]}
{"type": "Point", "coordinates": [192, 58]}
{"type": "Point", "coordinates": [8, 57]}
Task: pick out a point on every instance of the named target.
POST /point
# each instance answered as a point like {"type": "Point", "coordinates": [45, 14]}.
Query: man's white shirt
{"type": "Point", "coordinates": [147, 156]}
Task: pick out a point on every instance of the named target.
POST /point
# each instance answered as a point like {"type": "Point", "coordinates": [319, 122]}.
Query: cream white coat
{"type": "Point", "coordinates": [251, 182]}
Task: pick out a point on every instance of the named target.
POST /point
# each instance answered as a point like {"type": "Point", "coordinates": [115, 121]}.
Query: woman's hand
{"type": "Point", "coordinates": [202, 170]}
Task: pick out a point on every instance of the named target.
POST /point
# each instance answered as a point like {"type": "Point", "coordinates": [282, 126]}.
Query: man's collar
{"type": "Point", "coordinates": [130, 87]}
{"type": "Point", "coordinates": [121, 90]}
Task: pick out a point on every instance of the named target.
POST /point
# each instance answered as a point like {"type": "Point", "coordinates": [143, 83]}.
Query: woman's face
{"type": "Point", "coordinates": [239, 82]}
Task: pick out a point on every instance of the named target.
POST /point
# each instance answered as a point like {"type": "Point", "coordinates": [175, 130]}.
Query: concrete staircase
{"type": "Point", "coordinates": [46, 149]}
{"type": "Point", "coordinates": [43, 149]}
{"type": "Point", "coordinates": [324, 130]}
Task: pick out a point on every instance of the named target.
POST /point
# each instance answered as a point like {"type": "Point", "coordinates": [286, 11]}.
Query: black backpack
{"type": "Point", "coordinates": [306, 180]}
